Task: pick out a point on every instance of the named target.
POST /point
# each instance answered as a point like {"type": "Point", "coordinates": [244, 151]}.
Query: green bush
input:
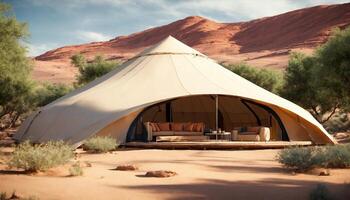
{"type": "Point", "coordinates": [50, 92]}
{"type": "Point", "coordinates": [300, 158]}
{"type": "Point", "coordinates": [270, 80]}
{"type": "Point", "coordinates": [89, 71]}
{"type": "Point", "coordinates": [337, 156]}
{"type": "Point", "coordinates": [320, 193]}
{"type": "Point", "coordinates": [33, 158]}
{"type": "Point", "coordinates": [76, 170]}
{"type": "Point", "coordinates": [306, 158]}
{"type": "Point", "coordinates": [100, 144]}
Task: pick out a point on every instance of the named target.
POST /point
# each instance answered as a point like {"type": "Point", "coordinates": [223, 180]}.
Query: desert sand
{"type": "Point", "coordinates": [202, 174]}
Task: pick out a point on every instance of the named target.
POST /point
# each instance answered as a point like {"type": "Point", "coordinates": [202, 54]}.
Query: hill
{"type": "Point", "coordinates": [264, 42]}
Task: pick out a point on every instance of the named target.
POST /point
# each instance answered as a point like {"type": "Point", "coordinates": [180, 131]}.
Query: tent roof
{"type": "Point", "coordinates": [168, 70]}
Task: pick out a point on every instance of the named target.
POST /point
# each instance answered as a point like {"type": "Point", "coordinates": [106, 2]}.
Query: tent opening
{"type": "Point", "coordinates": [216, 112]}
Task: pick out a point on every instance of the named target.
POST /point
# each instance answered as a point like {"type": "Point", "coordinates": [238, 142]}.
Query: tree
{"type": "Point", "coordinates": [92, 70]}
{"type": "Point", "coordinates": [321, 82]}
{"type": "Point", "coordinates": [78, 60]}
{"type": "Point", "coordinates": [16, 87]}
{"type": "Point", "coordinates": [50, 92]}
{"type": "Point", "coordinates": [267, 79]}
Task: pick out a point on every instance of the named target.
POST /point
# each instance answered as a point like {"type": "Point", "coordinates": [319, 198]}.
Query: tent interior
{"type": "Point", "coordinates": [217, 112]}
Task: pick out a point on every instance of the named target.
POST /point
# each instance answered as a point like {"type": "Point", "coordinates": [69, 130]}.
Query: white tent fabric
{"type": "Point", "coordinates": [168, 70]}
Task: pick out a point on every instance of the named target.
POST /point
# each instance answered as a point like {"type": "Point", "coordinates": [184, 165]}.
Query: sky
{"type": "Point", "coordinates": [56, 23]}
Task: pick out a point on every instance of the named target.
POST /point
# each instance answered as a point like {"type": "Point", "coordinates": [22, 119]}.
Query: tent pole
{"type": "Point", "coordinates": [216, 115]}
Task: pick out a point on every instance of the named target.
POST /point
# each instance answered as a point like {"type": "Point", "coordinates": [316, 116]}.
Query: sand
{"type": "Point", "coordinates": [201, 175]}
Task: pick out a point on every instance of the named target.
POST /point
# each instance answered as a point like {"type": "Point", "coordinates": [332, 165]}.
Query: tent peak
{"type": "Point", "coordinates": [170, 45]}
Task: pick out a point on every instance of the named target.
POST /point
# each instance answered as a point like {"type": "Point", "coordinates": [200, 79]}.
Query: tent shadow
{"type": "Point", "coordinates": [13, 172]}
{"type": "Point", "coordinates": [262, 189]}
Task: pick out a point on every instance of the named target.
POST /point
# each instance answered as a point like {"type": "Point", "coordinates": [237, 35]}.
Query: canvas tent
{"type": "Point", "coordinates": [170, 71]}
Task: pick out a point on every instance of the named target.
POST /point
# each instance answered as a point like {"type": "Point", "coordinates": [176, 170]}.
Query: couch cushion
{"type": "Point", "coordinates": [248, 133]}
{"type": "Point", "coordinates": [188, 133]}
{"type": "Point", "coordinates": [164, 126]}
{"type": "Point", "coordinates": [198, 127]}
{"type": "Point", "coordinates": [188, 126]}
{"type": "Point", "coordinates": [177, 126]}
{"type": "Point", "coordinates": [163, 133]}
{"type": "Point", "coordinates": [253, 129]}
{"type": "Point", "coordinates": [153, 128]}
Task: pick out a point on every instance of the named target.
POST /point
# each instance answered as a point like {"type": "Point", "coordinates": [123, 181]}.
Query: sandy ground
{"type": "Point", "coordinates": [201, 175]}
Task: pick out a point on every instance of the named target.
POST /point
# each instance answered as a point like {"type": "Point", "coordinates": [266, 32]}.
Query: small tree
{"type": "Point", "coordinates": [92, 70]}
{"type": "Point", "coordinates": [16, 87]}
{"type": "Point", "coordinates": [320, 83]}
{"type": "Point", "coordinates": [267, 79]}
{"type": "Point", "coordinates": [50, 92]}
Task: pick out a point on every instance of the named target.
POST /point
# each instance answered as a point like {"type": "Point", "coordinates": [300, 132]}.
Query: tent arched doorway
{"type": "Point", "coordinates": [223, 112]}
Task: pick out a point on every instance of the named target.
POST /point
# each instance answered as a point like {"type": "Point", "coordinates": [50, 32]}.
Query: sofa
{"type": "Point", "coordinates": [256, 133]}
{"type": "Point", "coordinates": [173, 129]}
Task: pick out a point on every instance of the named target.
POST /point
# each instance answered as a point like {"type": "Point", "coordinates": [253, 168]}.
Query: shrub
{"type": "Point", "coordinates": [270, 80]}
{"type": "Point", "coordinates": [50, 92]}
{"type": "Point", "coordinates": [337, 156]}
{"type": "Point", "coordinates": [320, 193]}
{"type": "Point", "coordinates": [306, 158]}
{"type": "Point", "coordinates": [33, 158]}
{"type": "Point", "coordinates": [100, 144]}
{"type": "Point", "coordinates": [76, 170]}
{"type": "Point", "coordinates": [300, 158]}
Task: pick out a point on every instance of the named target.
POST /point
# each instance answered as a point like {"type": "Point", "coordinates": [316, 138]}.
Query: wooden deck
{"type": "Point", "coordinates": [217, 145]}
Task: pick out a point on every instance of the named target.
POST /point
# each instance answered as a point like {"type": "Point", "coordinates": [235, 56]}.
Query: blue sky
{"type": "Point", "coordinates": [56, 23]}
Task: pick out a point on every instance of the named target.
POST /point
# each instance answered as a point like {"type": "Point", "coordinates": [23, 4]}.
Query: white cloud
{"type": "Point", "coordinates": [90, 36]}
{"type": "Point", "coordinates": [38, 49]}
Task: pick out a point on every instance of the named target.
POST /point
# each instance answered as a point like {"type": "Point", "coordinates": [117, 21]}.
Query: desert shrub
{"type": "Point", "coordinates": [89, 71]}
{"type": "Point", "coordinates": [270, 80]}
{"type": "Point", "coordinates": [100, 144]}
{"type": "Point", "coordinates": [300, 158]}
{"type": "Point", "coordinates": [76, 170]}
{"type": "Point", "coordinates": [337, 156]}
{"type": "Point", "coordinates": [33, 158]}
{"type": "Point", "coordinates": [320, 193]}
{"type": "Point", "coordinates": [50, 92]}
{"type": "Point", "coordinates": [306, 158]}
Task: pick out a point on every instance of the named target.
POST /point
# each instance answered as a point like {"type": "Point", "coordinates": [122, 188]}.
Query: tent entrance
{"type": "Point", "coordinates": [226, 113]}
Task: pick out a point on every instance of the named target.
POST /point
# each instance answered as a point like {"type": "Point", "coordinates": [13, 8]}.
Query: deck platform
{"type": "Point", "coordinates": [217, 145]}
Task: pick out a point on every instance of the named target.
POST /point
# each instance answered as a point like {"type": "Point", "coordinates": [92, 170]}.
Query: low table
{"type": "Point", "coordinates": [220, 136]}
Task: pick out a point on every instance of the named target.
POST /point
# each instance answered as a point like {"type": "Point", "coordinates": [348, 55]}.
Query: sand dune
{"type": "Point", "coordinates": [264, 42]}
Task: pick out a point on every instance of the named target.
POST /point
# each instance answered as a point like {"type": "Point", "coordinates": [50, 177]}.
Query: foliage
{"type": "Point", "coordinates": [100, 144]}
{"type": "Point", "coordinates": [50, 92]}
{"type": "Point", "coordinates": [306, 158]}
{"type": "Point", "coordinates": [76, 170]}
{"type": "Point", "coordinates": [89, 71]}
{"type": "Point", "coordinates": [338, 123]}
{"type": "Point", "coordinates": [337, 156]}
{"type": "Point", "coordinates": [16, 87]}
{"type": "Point", "coordinates": [300, 159]}
{"type": "Point", "coordinates": [267, 79]}
{"type": "Point", "coordinates": [33, 158]}
{"type": "Point", "coordinates": [78, 60]}
{"type": "Point", "coordinates": [319, 82]}
{"type": "Point", "coordinates": [320, 193]}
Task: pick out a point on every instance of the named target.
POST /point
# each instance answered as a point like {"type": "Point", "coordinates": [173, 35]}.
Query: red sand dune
{"type": "Point", "coordinates": [264, 42]}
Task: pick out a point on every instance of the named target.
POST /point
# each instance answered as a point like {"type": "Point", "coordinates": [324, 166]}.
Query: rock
{"type": "Point", "coordinates": [127, 167]}
{"type": "Point", "coordinates": [160, 174]}
{"type": "Point", "coordinates": [324, 173]}
{"type": "Point", "coordinates": [320, 172]}
{"type": "Point", "coordinates": [87, 164]}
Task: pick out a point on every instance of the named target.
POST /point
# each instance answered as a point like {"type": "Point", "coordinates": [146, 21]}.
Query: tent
{"type": "Point", "coordinates": [168, 74]}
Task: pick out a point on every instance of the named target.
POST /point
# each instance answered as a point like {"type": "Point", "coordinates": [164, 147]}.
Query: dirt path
{"type": "Point", "coordinates": [201, 175]}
